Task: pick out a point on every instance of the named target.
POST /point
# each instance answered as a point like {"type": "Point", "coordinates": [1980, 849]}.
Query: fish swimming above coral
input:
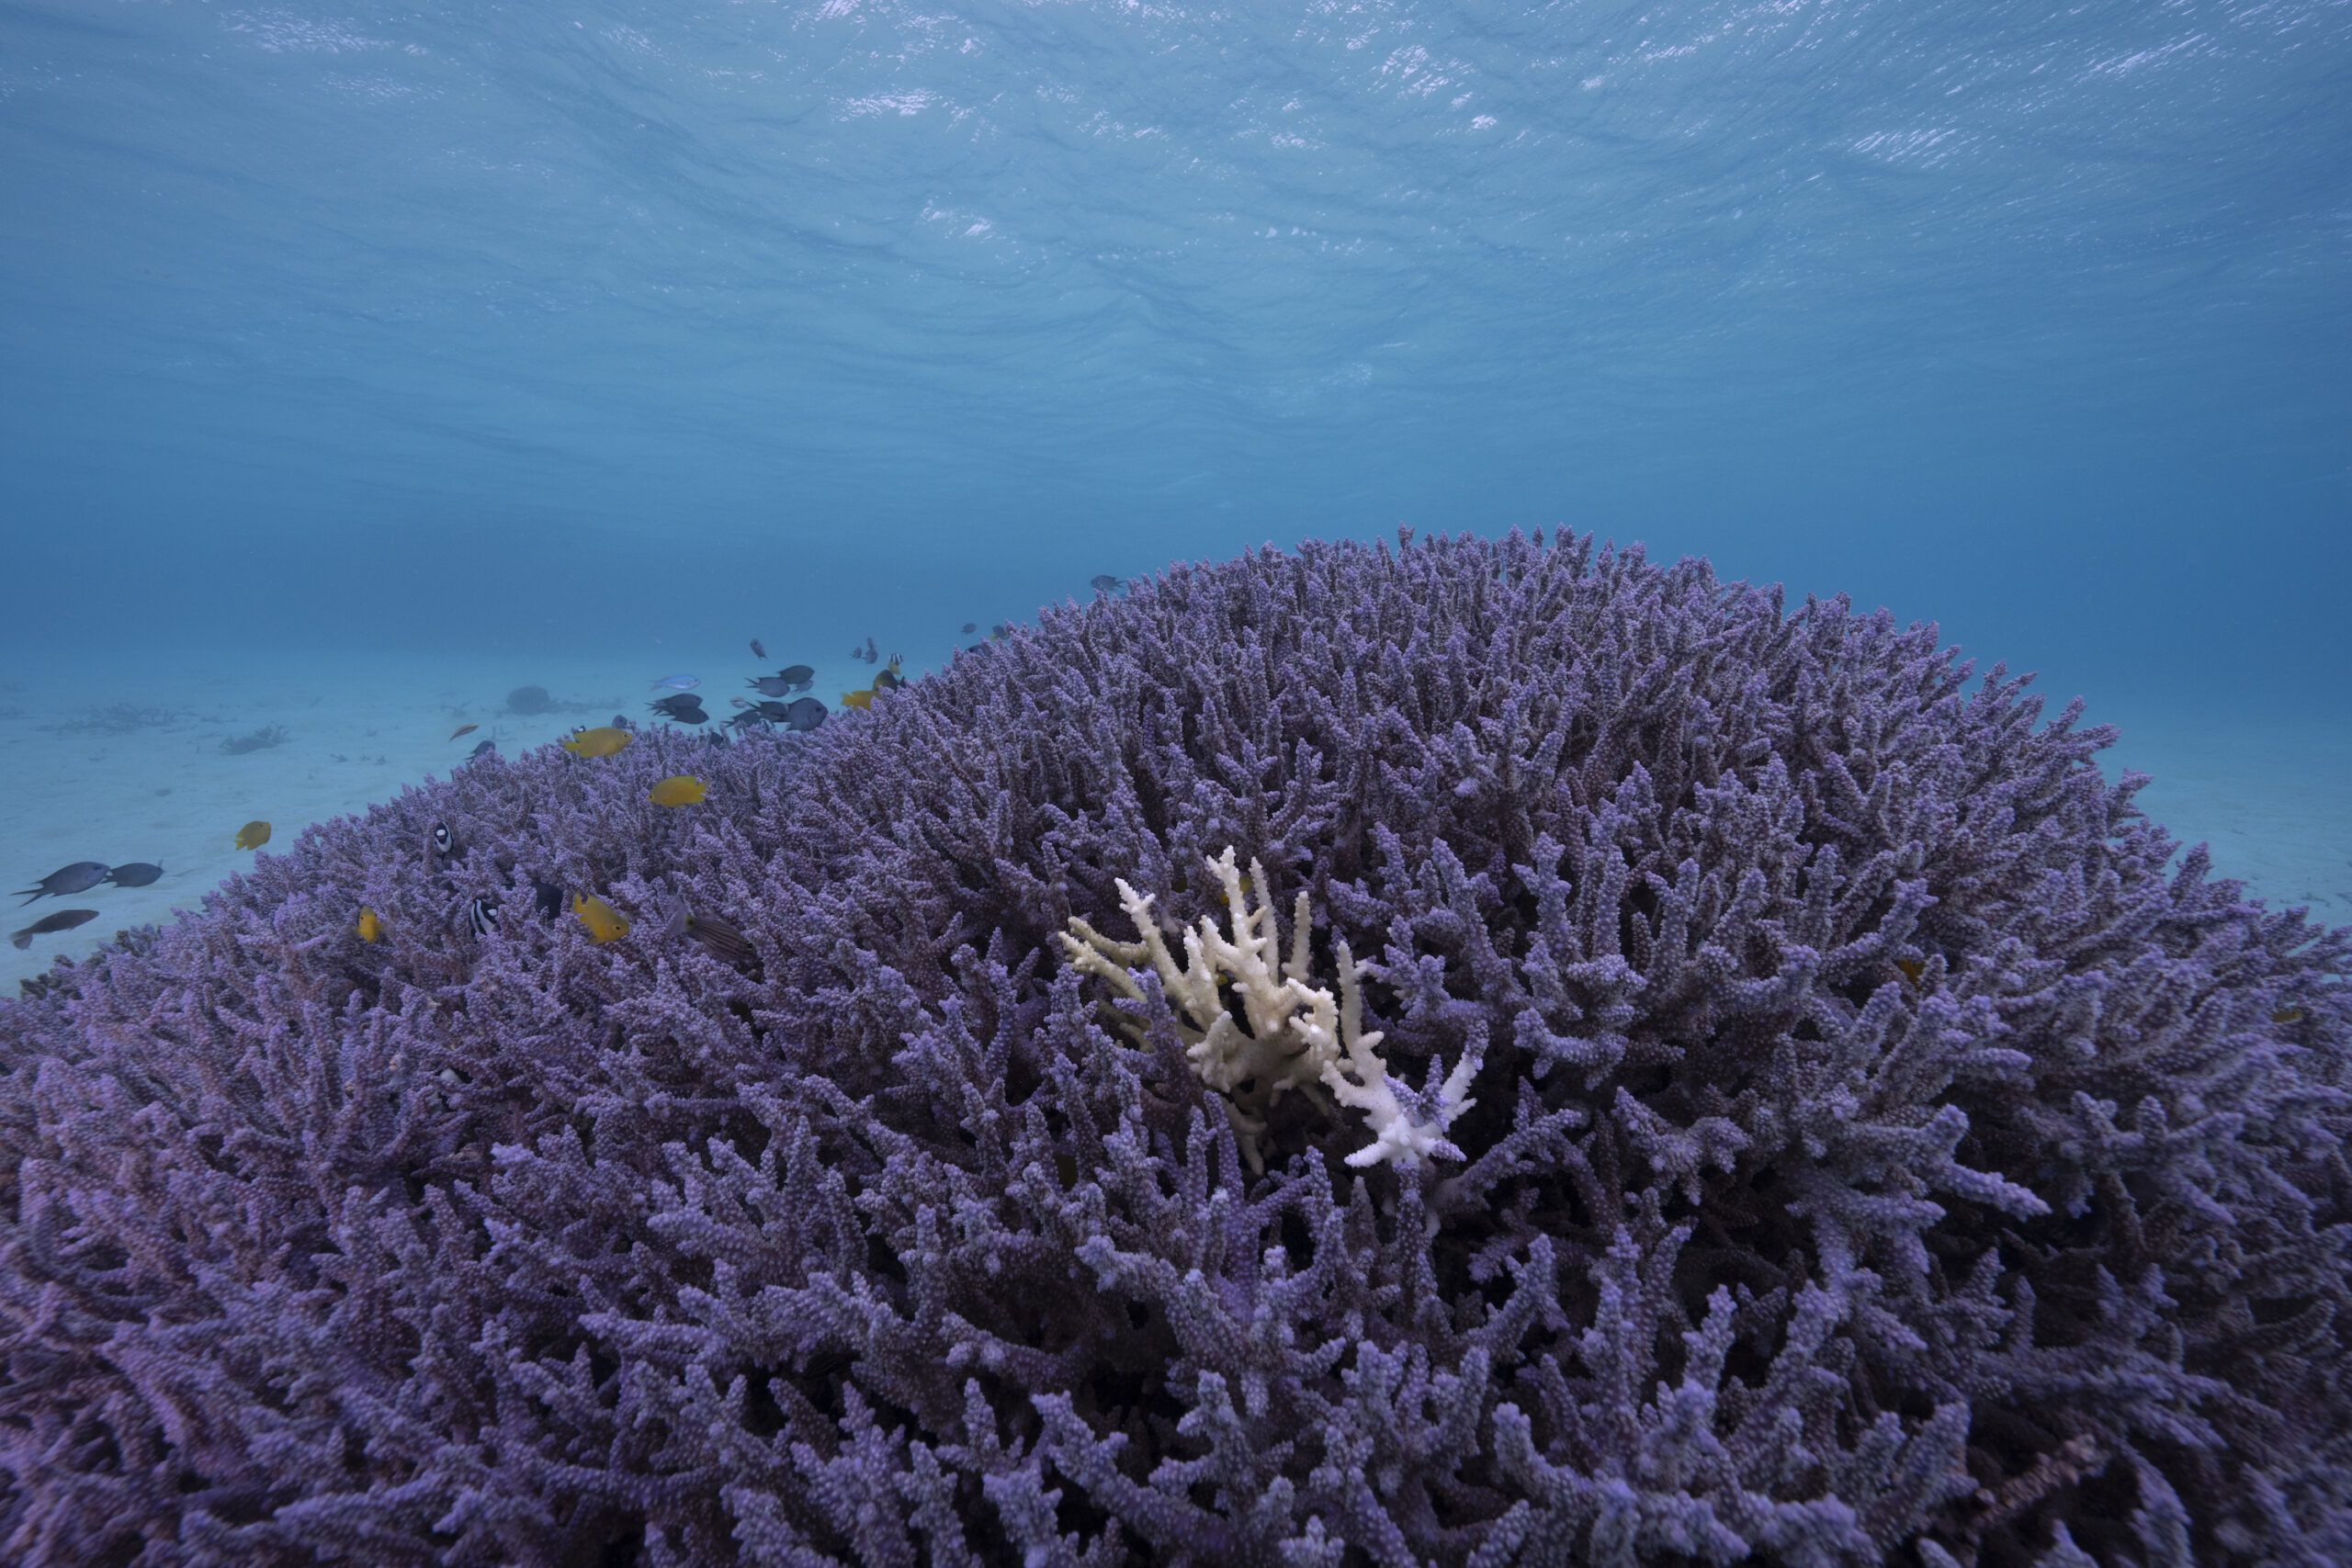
{"type": "Point", "coordinates": [252, 835]}
{"type": "Point", "coordinates": [772, 686]}
{"type": "Point", "coordinates": [679, 682]}
{"type": "Point", "coordinates": [1103, 584]}
{"type": "Point", "coordinates": [49, 925]}
{"type": "Point", "coordinates": [757, 651]}
{"type": "Point", "coordinates": [79, 878]}
{"type": "Point", "coordinates": [681, 790]}
{"type": "Point", "coordinates": [603, 741]}
{"type": "Point", "coordinates": [971, 627]}
{"type": "Point", "coordinates": [801, 676]}
{"type": "Point", "coordinates": [802, 713]}
{"type": "Point", "coordinates": [138, 874]}
{"type": "Point", "coordinates": [683, 708]}
{"type": "Point", "coordinates": [603, 922]}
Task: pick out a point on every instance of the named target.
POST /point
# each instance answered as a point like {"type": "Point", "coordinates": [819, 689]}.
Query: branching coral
{"type": "Point", "coordinates": [1291, 1041]}
{"type": "Point", "coordinates": [1888, 1147]}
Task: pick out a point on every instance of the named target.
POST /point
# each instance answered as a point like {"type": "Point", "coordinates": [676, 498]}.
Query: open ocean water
{"type": "Point", "coordinates": [362, 363]}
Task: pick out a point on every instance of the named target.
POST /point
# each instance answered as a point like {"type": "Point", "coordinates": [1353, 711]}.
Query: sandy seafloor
{"type": "Point", "coordinates": [120, 762]}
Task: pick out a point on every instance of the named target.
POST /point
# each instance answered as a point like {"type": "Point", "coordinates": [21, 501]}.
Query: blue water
{"type": "Point", "coordinates": [337, 328]}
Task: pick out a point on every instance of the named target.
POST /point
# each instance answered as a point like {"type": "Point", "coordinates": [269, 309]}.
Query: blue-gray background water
{"type": "Point", "coordinates": [338, 333]}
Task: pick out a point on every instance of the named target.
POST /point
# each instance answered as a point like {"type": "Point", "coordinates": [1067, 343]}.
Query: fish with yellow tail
{"type": "Point", "coordinates": [681, 790]}
{"type": "Point", "coordinates": [889, 679]}
{"type": "Point", "coordinates": [602, 741]}
{"type": "Point", "coordinates": [604, 922]}
{"type": "Point", "coordinates": [252, 835]}
{"type": "Point", "coordinates": [370, 927]}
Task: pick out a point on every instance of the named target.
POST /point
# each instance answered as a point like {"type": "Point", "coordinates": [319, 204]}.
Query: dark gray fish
{"type": "Point", "coordinates": [869, 655]}
{"type": "Point", "coordinates": [546, 898]}
{"type": "Point", "coordinates": [484, 750]}
{"type": "Point", "coordinates": [723, 941]}
{"type": "Point", "coordinates": [774, 713]}
{"type": "Point", "coordinates": [1103, 584]}
{"type": "Point", "coordinates": [806, 714]}
{"type": "Point", "coordinates": [139, 874]}
{"type": "Point", "coordinates": [801, 674]}
{"type": "Point", "coordinates": [685, 709]}
{"type": "Point", "coordinates": [79, 878]}
{"type": "Point", "coordinates": [64, 921]}
{"type": "Point", "coordinates": [1001, 632]}
{"type": "Point", "coordinates": [749, 720]}
{"type": "Point", "coordinates": [971, 627]}
{"type": "Point", "coordinates": [772, 686]}
{"type": "Point", "coordinates": [757, 651]}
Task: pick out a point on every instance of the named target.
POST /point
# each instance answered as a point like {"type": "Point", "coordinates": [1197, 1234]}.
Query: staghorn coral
{"type": "Point", "coordinates": [1295, 1033]}
{"type": "Point", "coordinates": [1881, 1152]}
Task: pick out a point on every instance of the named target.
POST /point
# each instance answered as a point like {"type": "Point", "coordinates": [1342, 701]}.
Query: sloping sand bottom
{"type": "Point", "coordinates": [129, 765]}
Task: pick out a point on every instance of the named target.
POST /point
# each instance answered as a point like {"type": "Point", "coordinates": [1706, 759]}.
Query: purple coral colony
{"type": "Point", "coordinates": [1475, 1054]}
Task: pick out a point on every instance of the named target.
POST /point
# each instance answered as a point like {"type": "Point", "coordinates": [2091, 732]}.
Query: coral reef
{"type": "Point", "coordinates": [1297, 1032]}
{"type": "Point", "coordinates": [1862, 1143]}
{"type": "Point", "coordinates": [261, 739]}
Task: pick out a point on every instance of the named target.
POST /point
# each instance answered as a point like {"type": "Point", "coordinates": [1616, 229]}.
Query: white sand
{"type": "Point", "coordinates": [78, 783]}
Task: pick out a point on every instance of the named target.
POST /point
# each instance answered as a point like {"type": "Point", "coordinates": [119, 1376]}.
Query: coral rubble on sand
{"type": "Point", "coordinates": [1859, 1146]}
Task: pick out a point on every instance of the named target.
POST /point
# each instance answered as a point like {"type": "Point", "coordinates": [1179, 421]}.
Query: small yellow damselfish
{"type": "Point", "coordinates": [252, 835]}
{"type": "Point", "coordinates": [371, 927]}
{"type": "Point", "coordinates": [862, 701]}
{"type": "Point", "coordinates": [599, 742]}
{"type": "Point", "coordinates": [604, 922]}
{"type": "Point", "coordinates": [679, 791]}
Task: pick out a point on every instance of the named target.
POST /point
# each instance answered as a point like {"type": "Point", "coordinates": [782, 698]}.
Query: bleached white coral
{"type": "Point", "coordinates": [1297, 1035]}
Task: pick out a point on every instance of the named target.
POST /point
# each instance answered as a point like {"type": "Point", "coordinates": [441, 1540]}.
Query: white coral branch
{"type": "Point", "coordinates": [1298, 1035]}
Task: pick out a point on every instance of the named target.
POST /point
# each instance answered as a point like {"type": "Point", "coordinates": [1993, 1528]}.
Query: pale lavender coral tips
{"type": "Point", "coordinates": [1683, 1079]}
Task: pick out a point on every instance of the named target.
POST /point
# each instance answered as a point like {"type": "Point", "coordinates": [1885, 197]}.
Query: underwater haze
{"type": "Point", "coordinates": [367, 362]}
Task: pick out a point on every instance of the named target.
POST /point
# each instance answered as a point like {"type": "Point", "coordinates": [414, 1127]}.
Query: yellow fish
{"type": "Point", "coordinates": [600, 742]}
{"type": "Point", "coordinates": [862, 701]}
{"type": "Point", "coordinates": [463, 729]}
{"type": "Point", "coordinates": [604, 922]}
{"type": "Point", "coordinates": [2288, 1015]}
{"type": "Point", "coordinates": [370, 928]}
{"type": "Point", "coordinates": [252, 835]}
{"type": "Point", "coordinates": [1912, 968]}
{"type": "Point", "coordinates": [679, 791]}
